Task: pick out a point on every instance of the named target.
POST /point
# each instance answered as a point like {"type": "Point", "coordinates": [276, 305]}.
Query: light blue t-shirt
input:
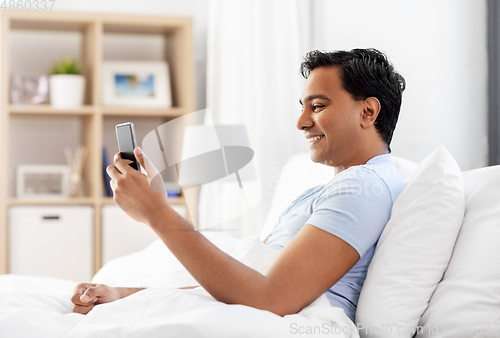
{"type": "Point", "coordinates": [354, 206]}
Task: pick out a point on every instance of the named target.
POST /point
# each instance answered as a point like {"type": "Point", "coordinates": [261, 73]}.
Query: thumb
{"type": "Point", "coordinates": [154, 178]}
{"type": "Point", "coordinates": [145, 162]}
{"type": "Point", "coordinates": [139, 155]}
{"type": "Point", "coordinates": [94, 292]}
{"type": "Point", "coordinates": [89, 295]}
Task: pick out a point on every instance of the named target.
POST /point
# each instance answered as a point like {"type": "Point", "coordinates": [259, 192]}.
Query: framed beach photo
{"type": "Point", "coordinates": [42, 181]}
{"type": "Point", "coordinates": [136, 83]}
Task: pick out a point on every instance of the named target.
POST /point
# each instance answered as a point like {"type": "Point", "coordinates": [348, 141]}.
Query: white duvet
{"type": "Point", "coordinates": [40, 307]}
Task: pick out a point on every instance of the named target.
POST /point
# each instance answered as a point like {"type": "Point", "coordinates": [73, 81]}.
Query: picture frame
{"type": "Point", "coordinates": [42, 181]}
{"type": "Point", "coordinates": [29, 88]}
{"type": "Point", "coordinates": [136, 84]}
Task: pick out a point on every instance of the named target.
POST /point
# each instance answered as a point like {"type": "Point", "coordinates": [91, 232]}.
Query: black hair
{"type": "Point", "coordinates": [365, 73]}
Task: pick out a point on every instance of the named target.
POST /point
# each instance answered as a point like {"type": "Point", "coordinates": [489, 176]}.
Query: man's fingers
{"type": "Point", "coordinates": [120, 164]}
{"type": "Point", "coordinates": [82, 309]}
{"type": "Point", "coordinates": [76, 299]}
{"type": "Point", "coordinates": [80, 289]}
{"type": "Point", "coordinates": [91, 295]}
{"type": "Point", "coordinates": [87, 295]}
{"type": "Point", "coordinates": [113, 172]}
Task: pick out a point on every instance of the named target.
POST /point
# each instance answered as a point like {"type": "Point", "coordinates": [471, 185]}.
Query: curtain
{"type": "Point", "coordinates": [254, 50]}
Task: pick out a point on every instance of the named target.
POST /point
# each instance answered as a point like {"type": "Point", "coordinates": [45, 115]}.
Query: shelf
{"type": "Point", "coordinates": [76, 201]}
{"type": "Point", "coordinates": [107, 200]}
{"type": "Point", "coordinates": [45, 109]}
{"type": "Point", "coordinates": [171, 200]}
{"type": "Point", "coordinates": [40, 201]}
{"type": "Point", "coordinates": [143, 25]}
{"type": "Point", "coordinates": [142, 112]}
{"type": "Point", "coordinates": [53, 20]}
{"type": "Point", "coordinates": [48, 20]}
{"type": "Point", "coordinates": [176, 200]}
{"type": "Point", "coordinates": [21, 138]}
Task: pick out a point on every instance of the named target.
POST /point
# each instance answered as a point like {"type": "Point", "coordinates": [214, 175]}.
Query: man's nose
{"type": "Point", "coordinates": [304, 121]}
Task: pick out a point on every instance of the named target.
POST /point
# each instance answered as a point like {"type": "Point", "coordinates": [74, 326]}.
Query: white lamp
{"type": "Point", "coordinates": [212, 153]}
{"type": "Point", "coordinates": [218, 158]}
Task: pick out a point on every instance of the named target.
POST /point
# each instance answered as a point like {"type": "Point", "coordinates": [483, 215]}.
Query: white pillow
{"type": "Point", "coordinates": [404, 167]}
{"type": "Point", "coordinates": [467, 301]}
{"type": "Point", "coordinates": [414, 249]}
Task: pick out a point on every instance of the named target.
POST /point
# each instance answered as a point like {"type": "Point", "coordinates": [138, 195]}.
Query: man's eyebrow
{"type": "Point", "coordinates": [314, 96]}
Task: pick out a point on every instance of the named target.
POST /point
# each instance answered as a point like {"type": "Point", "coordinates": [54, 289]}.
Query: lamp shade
{"type": "Point", "coordinates": [214, 152]}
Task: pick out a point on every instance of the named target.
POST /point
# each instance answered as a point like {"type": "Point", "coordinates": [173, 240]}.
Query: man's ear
{"type": "Point", "coordinates": [371, 108]}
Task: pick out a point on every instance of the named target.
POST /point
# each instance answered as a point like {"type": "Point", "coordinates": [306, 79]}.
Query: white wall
{"type": "Point", "coordinates": [439, 46]}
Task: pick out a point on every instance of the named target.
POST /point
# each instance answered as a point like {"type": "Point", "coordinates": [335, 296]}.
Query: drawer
{"type": "Point", "coordinates": [52, 241]}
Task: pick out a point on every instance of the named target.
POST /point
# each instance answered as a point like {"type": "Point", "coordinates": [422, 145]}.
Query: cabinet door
{"type": "Point", "coordinates": [121, 235]}
{"type": "Point", "coordinates": [52, 241]}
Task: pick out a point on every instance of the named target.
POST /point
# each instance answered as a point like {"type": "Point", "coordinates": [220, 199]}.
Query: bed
{"type": "Point", "coordinates": [40, 307]}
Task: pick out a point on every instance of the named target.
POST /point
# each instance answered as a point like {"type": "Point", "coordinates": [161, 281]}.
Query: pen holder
{"type": "Point", "coordinates": [76, 185]}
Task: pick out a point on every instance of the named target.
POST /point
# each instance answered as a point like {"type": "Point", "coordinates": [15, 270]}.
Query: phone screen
{"type": "Point", "coordinates": [126, 143]}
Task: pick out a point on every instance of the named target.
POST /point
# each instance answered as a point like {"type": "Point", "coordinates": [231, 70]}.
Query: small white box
{"type": "Point", "coordinates": [122, 235]}
{"type": "Point", "coordinates": [52, 241]}
{"type": "Point", "coordinates": [42, 181]}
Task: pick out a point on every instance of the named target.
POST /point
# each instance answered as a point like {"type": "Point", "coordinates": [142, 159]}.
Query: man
{"type": "Point", "coordinates": [327, 236]}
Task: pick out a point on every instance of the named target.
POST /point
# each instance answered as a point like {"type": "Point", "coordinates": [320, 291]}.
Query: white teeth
{"type": "Point", "coordinates": [314, 138]}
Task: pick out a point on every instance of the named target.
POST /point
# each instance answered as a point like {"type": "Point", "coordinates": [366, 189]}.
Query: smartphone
{"type": "Point", "coordinates": [125, 135]}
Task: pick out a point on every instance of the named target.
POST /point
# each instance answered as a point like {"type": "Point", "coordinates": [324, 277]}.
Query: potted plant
{"type": "Point", "coordinates": [67, 86]}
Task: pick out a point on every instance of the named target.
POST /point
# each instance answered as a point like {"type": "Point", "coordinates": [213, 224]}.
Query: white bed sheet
{"type": "Point", "coordinates": [41, 307]}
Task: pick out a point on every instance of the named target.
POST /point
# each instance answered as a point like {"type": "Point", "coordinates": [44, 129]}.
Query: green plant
{"type": "Point", "coordinates": [66, 66]}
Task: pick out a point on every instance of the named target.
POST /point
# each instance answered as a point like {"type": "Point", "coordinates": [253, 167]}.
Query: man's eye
{"type": "Point", "coordinates": [317, 106]}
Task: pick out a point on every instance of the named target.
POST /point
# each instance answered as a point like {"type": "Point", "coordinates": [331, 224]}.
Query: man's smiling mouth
{"type": "Point", "coordinates": [315, 138]}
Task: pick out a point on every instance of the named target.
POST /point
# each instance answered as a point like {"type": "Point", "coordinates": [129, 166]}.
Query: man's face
{"type": "Point", "coordinates": [329, 118]}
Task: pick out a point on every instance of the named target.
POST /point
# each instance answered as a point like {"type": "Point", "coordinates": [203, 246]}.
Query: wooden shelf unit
{"type": "Point", "coordinates": [178, 52]}
{"type": "Point", "coordinates": [45, 109]}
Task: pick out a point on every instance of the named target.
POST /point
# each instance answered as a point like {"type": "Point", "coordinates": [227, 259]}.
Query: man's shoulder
{"type": "Point", "coordinates": [355, 175]}
{"type": "Point", "coordinates": [382, 175]}
{"type": "Point", "coordinates": [382, 178]}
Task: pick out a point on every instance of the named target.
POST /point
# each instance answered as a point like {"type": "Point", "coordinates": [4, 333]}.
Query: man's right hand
{"type": "Point", "coordinates": [87, 295]}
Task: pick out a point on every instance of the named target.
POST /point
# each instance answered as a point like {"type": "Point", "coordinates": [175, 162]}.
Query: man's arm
{"type": "Point", "coordinates": [307, 267]}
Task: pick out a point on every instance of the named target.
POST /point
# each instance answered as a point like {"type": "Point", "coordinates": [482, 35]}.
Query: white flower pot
{"type": "Point", "coordinates": [66, 91]}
